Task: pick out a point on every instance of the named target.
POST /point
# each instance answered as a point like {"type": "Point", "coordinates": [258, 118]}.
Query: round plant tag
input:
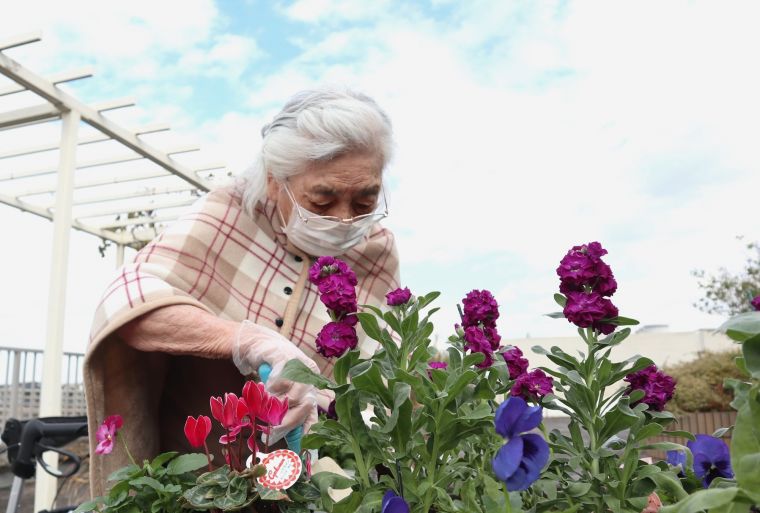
{"type": "Point", "coordinates": [283, 468]}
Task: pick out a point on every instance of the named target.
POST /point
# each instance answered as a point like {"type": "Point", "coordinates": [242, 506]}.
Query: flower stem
{"type": "Point", "coordinates": [208, 456]}
{"type": "Point", "coordinates": [129, 454]}
{"type": "Point", "coordinates": [507, 502]}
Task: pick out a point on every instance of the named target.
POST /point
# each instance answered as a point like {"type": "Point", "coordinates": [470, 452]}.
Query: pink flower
{"type": "Point", "coordinates": [106, 434]}
{"type": "Point", "coordinates": [197, 430]}
{"type": "Point", "coordinates": [756, 303]}
{"type": "Point", "coordinates": [481, 340]}
{"type": "Point", "coordinates": [658, 387]}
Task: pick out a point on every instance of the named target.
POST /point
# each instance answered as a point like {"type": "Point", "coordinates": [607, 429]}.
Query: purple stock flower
{"type": "Point", "coordinates": [436, 365]}
{"type": "Point", "coordinates": [583, 267]}
{"type": "Point", "coordinates": [711, 458]}
{"type": "Point", "coordinates": [338, 294]}
{"type": "Point", "coordinates": [336, 338]}
{"type": "Point", "coordinates": [589, 310]}
{"type": "Point", "coordinates": [328, 266]}
{"type": "Point", "coordinates": [516, 364]}
{"type": "Point", "coordinates": [519, 462]}
{"type": "Point", "coordinates": [658, 387]}
{"type": "Point", "coordinates": [756, 303]}
{"type": "Point", "coordinates": [480, 307]}
{"type": "Point", "coordinates": [398, 297]}
{"type": "Point", "coordinates": [392, 503]}
{"type": "Point", "coordinates": [532, 385]}
{"type": "Point", "coordinates": [477, 340]}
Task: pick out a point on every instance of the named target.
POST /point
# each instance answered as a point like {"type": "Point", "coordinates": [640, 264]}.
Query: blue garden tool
{"type": "Point", "coordinates": [293, 438]}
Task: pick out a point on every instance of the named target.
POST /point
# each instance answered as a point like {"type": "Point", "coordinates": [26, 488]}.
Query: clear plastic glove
{"type": "Point", "coordinates": [256, 345]}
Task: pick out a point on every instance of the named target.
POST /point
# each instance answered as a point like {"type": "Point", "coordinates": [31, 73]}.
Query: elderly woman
{"type": "Point", "coordinates": [225, 289]}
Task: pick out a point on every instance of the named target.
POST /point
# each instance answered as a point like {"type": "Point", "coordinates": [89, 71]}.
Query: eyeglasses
{"type": "Point", "coordinates": [381, 212]}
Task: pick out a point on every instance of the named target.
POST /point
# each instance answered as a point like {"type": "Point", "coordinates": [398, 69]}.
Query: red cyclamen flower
{"type": "Point", "coordinates": [232, 414]}
{"type": "Point", "coordinates": [197, 430]}
{"type": "Point", "coordinates": [106, 434]}
{"type": "Point", "coordinates": [264, 406]}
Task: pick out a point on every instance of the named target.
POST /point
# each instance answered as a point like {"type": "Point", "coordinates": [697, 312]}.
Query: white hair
{"type": "Point", "coordinates": [316, 126]}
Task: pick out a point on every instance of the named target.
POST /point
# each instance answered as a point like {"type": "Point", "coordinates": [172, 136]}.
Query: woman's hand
{"type": "Point", "coordinates": [255, 345]}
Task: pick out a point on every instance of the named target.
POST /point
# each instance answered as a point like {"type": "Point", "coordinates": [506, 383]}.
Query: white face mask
{"type": "Point", "coordinates": [325, 235]}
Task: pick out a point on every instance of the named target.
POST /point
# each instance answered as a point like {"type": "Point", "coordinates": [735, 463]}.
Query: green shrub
{"type": "Point", "coordinates": [700, 382]}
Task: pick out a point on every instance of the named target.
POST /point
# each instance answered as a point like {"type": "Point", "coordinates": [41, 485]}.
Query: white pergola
{"type": "Point", "coordinates": [96, 176]}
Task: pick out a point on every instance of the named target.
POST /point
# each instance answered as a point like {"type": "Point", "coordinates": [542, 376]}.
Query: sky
{"type": "Point", "coordinates": [521, 129]}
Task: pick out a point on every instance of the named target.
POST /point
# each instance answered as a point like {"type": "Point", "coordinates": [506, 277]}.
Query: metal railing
{"type": "Point", "coordinates": [21, 378]}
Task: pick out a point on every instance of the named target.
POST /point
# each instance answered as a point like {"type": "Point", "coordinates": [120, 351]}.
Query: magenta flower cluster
{"type": "Point", "coordinates": [756, 303]}
{"type": "Point", "coordinates": [586, 281]}
{"type": "Point", "coordinates": [658, 387]}
{"type": "Point", "coordinates": [532, 385]}
{"type": "Point", "coordinates": [398, 297]}
{"type": "Point", "coordinates": [516, 363]}
{"type": "Point", "coordinates": [336, 283]}
{"type": "Point", "coordinates": [479, 323]}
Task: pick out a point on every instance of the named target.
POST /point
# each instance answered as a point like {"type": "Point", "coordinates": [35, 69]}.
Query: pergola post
{"type": "Point", "coordinates": [119, 255]}
{"type": "Point", "coordinates": [50, 394]}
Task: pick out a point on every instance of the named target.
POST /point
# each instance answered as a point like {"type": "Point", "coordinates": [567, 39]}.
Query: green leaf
{"type": "Point", "coordinates": [578, 489]}
{"type": "Point", "coordinates": [162, 458]}
{"type": "Point", "coordinates": [128, 472]}
{"type": "Point", "coordinates": [741, 327]}
{"type": "Point", "coordinates": [343, 365]}
{"type": "Point", "coordinates": [681, 434]}
{"type": "Point", "coordinates": [702, 500]}
{"type": "Point", "coordinates": [401, 394]}
{"type": "Point", "coordinates": [370, 380]}
{"type": "Point", "coordinates": [186, 463]}
{"type": "Point", "coordinates": [648, 431]}
{"type": "Point", "coordinates": [555, 315]}
{"type": "Point", "coordinates": [220, 476]}
{"type": "Point", "coordinates": [370, 326]}
{"type": "Point", "coordinates": [296, 370]}
{"type": "Point", "coordinates": [615, 338]}
{"type": "Point", "coordinates": [751, 353]}
{"type": "Point", "coordinates": [622, 321]}
{"type": "Point", "coordinates": [88, 506]}
{"type": "Point", "coordinates": [745, 443]}
{"type": "Point", "coordinates": [147, 481]}
{"type": "Point", "coordinates": [560, 299]}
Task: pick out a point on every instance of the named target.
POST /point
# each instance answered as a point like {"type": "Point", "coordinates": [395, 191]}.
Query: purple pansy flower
{"type": "Point", "coordinates": [516, 364]}
{"type": "Point", "coordinates": [392, 503]}
{"type": "Point", "coordinates": [658, 387]}
{"type": "Point", "coordinates": [756, 303]}
{"type": "Point", "coordinates": [711, 458]}
{"type": "Point", "coordinates": [589, 310]}
{"type": "Point", "coordinates": [531, 386]}
{"type": "Point", "coordinates": [335, 339]}
{"type": "Point", "coordinates": [677, 459]}
{"type": "Point", "coordinates": [480, 307]}
{"type": "Point", "coordinates": [518, 463]}
{"type": "Point", "coordinates": [398, 297]}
